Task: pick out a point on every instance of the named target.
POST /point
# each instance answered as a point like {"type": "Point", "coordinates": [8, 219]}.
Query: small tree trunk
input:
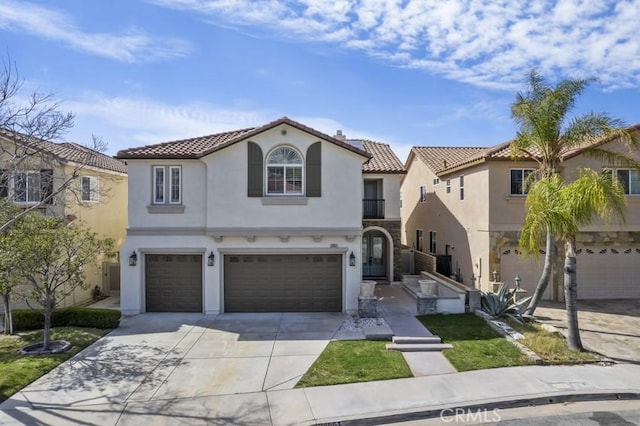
{"type": "Point", "coordinates": [571, 295]}
{"type": "Point", "coordinates": [543, 283]}
{"type": "Point", "coordinates": [8, 320]}
{"type": "Point", "coordinates": [46, 336]}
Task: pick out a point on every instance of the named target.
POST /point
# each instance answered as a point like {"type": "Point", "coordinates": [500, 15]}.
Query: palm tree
{"type": "Point", "coordinates": [561, 209]}
{"type": "Point", "coordinates": [546, 133]}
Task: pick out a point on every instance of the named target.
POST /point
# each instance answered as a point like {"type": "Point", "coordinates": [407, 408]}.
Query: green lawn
{"type": "Point", "coordinates": [18, 371]}
{"type": "Point", "coordinates": [475, 345]}
{"type": "Point", "coordinates": [551, 347]}
{"type": "Point", "coordinates": [355, 361]}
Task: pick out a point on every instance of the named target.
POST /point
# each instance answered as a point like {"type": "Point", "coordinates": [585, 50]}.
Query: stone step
{"type": "Point", "coordinates": [413, 340]}
{"type": "Point", "coordinates": [377, 333]}
{"type": "Point", "coordinates": [418, 347]}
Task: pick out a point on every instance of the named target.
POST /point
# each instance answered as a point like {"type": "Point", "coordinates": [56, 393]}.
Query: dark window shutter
{"type": "Point", "coordinates": [46, 183]}
{"type": "Point", "coordinates": [254, 181]}
{"type": "Point", "coordinates": [314, 170]}
{"type": "Point", "coordinates": [4, 183]}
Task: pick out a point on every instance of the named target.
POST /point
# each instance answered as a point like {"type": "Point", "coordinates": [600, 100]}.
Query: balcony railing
{"type": "Point", "coordinates": [372, 209]}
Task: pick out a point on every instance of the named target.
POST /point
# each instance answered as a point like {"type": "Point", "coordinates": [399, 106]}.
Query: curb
{"type": "Point", "coordinates": [492, 405]}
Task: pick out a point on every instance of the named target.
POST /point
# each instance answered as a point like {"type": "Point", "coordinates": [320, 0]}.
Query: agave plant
{"type": "Point", "coordinates": [502, 304]}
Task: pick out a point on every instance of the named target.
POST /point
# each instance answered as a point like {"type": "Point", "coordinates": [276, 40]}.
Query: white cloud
{"type": "Point", "coordinates": [125, 122]}
{"type": "Point", "coordinates": [131, 46]}
{"type": "Point", "coordinates": [489, 43]}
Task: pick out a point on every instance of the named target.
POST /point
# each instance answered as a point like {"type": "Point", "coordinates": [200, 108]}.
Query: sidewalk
{"type": "Point", "coordinates": [380, 402]}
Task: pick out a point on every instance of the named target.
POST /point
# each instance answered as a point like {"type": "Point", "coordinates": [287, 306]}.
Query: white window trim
{"type": "Point", "coordinates": [614, 170]}
{"type": "Point", "coordinates": [284, 166]}
{"type": "Point", "coordinates": [522, 169]}
{"type": "Point", "coordinates": [423, 193]}
{"type": "Point", "coordinates": [170, 184]}
{"type": "Point", "coordinates": [12, 188]}
{"type": "Point", "coordinates": [94, 188]}
{"type": "Point", "coordinates": [421, 240]}
{"type": "Point", "coordinates": [166, 186]}
{"type": "Point", "coordinates": [435, 242]}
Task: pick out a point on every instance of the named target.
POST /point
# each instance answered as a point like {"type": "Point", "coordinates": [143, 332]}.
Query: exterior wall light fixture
{"type": "Point", "coordinates": [211, 259]}
{"type": "Point", "coordinates": [133, 259]}
{"type": "Point", "coordinates": [352, 259]}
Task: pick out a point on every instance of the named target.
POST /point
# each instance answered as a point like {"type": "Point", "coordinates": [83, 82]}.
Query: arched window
{"type": "Point", "coordinates": [284, 172]}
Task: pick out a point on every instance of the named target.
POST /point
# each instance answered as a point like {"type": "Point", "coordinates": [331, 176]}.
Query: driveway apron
{"type": "Point", "coordinates": [153, 359]}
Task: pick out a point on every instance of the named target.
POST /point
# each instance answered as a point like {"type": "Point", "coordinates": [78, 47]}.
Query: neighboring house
{"type": "Point", "coordinates": [466, 205]}
{"type": "Point", "coordinates": [32, 169]}
{"type": "Point", "coordinates": [266, 219]}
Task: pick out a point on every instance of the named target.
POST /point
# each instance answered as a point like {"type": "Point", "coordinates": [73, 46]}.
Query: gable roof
{"type": "Point", "coordinates": [383, 159]}
{"type": "Point", "coordinates": [66, 152]}
{"type": "Point", "coordinates": [201, 146]}
{"type": "Point", "coordinates": [458, 158]}
{"type": "Point", "coordinates": [439, 158]}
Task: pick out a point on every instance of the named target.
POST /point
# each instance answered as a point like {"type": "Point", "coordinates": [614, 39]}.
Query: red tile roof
{"type": "Point", "coordinates": [443, 160]}
{"type": "Point", "coordinates": [66, 152]}
{"type": "Point", "coordinates": [198, 147]}
{"type": "Point", "coordinates": [383, 159]}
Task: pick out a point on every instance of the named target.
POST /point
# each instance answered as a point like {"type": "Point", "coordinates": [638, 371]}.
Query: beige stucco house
{"type": "Point", "coordinates": [466, 205]}
{"type": "Point", "coordinates": [32, 168]}
{"type": "Point", "coordinates": [267, 219]}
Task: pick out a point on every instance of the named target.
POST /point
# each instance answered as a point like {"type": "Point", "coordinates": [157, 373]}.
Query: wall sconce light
{"type": "Point", "coordinates": [495, 276]}
{"type": "Point", "coordinates": [211, 259]}
{"type": "Point", "coordinates": [352, 259]}
{"type": "Point", "coordinates": [133, 259]}
{"type": "Point", "coordinates": [517, 280]}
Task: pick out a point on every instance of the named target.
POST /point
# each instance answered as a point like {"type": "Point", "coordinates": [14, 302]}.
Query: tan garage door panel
{"type": "Point", "coordinates": [603, 273]}
{"type": "Point", "coordinates": [528, 269]}
{"type": "Point", "coordinates": [608, 273]}
{"type": "Point", "coordinates": [283, 283]}
{"type": "Point", "coordinates": [173, 283]}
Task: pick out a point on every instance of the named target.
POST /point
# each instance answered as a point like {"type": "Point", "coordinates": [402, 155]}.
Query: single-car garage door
{"type": "Point", "coordinates": [283, 283]}
{"type": "Point", "coordinates": [173, 283]}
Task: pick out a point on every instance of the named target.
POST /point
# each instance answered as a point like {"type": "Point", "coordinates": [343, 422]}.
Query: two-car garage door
{"type": "Point", "coordinates": [603, 272]}
{"type": "Point", "coordinates": [283, 283]}
{"type": "Point", "coordinates": [252, 283]}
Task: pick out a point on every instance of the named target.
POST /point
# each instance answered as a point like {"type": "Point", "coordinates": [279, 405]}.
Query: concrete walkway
{"type": "Point", "coordinates": [398, 309]}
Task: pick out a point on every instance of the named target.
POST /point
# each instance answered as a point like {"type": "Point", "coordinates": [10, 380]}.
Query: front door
{"type": "Point", "coordinates": [374, 246]}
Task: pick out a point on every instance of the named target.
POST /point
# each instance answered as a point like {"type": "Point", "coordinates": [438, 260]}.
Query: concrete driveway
{"type": "Point", "coordinates": [170, 363]}
{"type": "Point", "coordinates": [609, 327]}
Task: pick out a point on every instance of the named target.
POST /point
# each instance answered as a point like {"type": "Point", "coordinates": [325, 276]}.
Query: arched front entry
{"type": "Point", "coordinates": [377, 254]}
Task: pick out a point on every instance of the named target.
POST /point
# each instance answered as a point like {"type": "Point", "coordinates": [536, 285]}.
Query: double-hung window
{"type": "Point", "coordinates": [419, 239]}
{"type": "Point", "coordinates": [27, 187]}
{"type": "Point", "coordinates": [284, 172]}
{"type": "Point", "coordinates": [167, 185]}
{"type": "Point", "coordinates": [89, 189]}
{"type": "Point", "coordinates": [432, 242]}
{"type": "Point", "coordinates": [521, 180]}
{"type": "Point", "coordinates": [448, 186]}
{"type": "Point", "coordinates": [461, 187]}
{"type": "Point", "coordinates": [629, 179]}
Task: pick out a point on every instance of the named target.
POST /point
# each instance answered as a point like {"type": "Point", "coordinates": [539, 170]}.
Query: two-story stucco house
{"type": "Point", "coordinates": [257, 220]}
{"type": "Point", "coordinates": [467, 205]}
{"type": "Point", "coordinates": [33, 170]}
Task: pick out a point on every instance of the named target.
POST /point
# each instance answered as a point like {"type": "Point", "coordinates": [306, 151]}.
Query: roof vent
{"type": "Point", "coordinates": [444, 164]}
{"type": "Point", "coordinates": [340, 136]}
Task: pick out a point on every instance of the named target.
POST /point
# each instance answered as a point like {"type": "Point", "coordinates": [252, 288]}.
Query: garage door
{"type": "Point", "coordinates": [527, 268]}
{"type": "Point", "coordinates": [283, 283]}
{"type": "Point", "coordinates": [608, 273]}
{"type": "Point", "coordinates": [173, 283]}
{"type": "Point", "coordinates": [603, 272]}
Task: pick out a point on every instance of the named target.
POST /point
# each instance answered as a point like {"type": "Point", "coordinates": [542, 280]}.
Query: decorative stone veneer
{"type": "Point", "coordinates": [393, 227]}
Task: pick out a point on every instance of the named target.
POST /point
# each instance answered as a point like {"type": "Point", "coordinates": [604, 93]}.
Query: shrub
{"type": "Point", "coordinates": [31, 319]}
{"type": "Point", "coordinates": [501, 304]}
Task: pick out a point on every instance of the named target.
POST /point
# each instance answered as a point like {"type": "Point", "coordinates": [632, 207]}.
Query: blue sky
{"type": "Point", "coordinates": [405, 72]}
